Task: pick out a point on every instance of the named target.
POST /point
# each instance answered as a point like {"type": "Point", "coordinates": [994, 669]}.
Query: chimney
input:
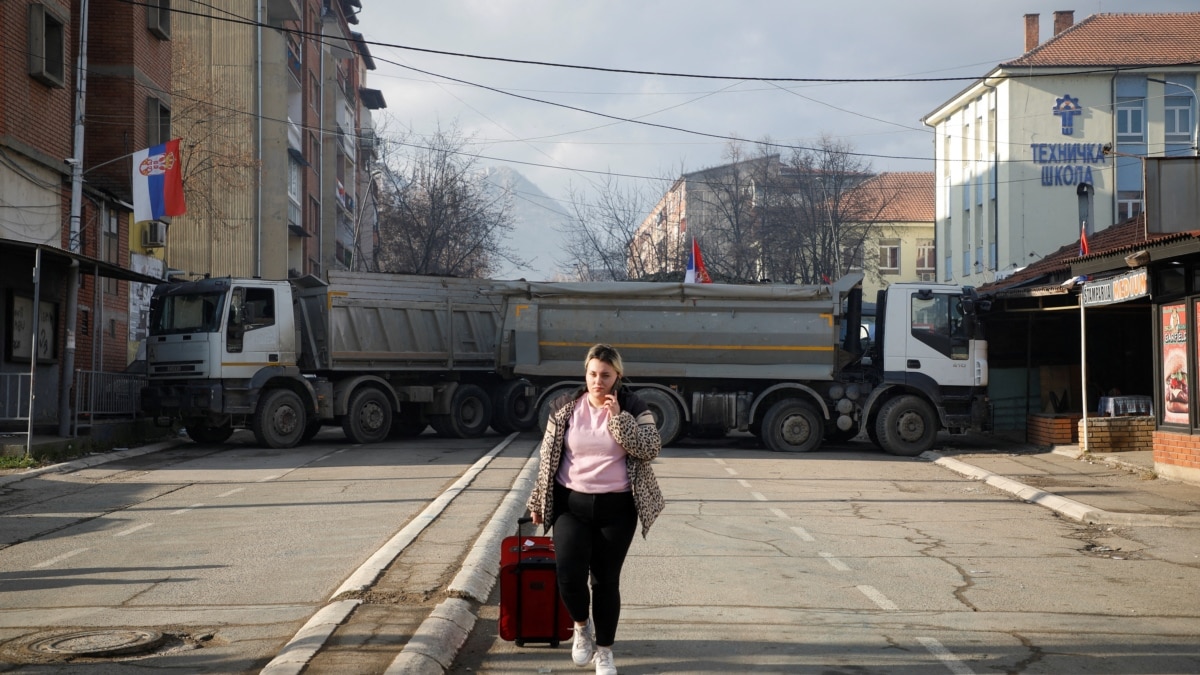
{"type": "Point", "coordinates": [1063, 20]}
{"type": "Point", "coordinates": [1031, 31]}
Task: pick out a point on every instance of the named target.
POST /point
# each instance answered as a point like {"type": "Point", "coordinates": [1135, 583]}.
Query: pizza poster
{"type": "Point", "coordinates": [1174, 354]}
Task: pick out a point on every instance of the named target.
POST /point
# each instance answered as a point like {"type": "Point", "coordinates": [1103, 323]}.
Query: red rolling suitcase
{"type": "Point", "coordinates": [531, 609]}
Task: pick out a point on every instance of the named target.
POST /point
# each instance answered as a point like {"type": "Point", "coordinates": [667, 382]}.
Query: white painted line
{"type": "Point", "coordinates": [759, 496]}
{"type": "Point", "coordinates": [838, 565]}
{"type": "Point", "coordinates": [780, 514]}
{"type": "Point", "coordinates": [230, 492]}
{"type": "Point", "coordinates": [951, 661]}
{"type": "Point", "coordinates": [731, 471]}
{"type": "Point", "coordinates": [190, 508]}
{"type": "Point", "coordinates": [803, 534]}
{"type": "Point", "coordinates": [133, 529]}
{"type": "Point", "coordinates": [744, 483]}
{"type": "Point", "coordinates": [878, 598]}
{"type": "Point", "coordinates": [370, 570]}
{"type": "Point", "coordinates": [263, 480]}
{"type": "Point", "coordinates": [59, 558]}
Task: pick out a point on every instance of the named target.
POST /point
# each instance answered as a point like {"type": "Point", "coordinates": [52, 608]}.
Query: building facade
{"type": "Point", "coordinates": [1082, 108]}
{"type": "Point", "coordinates": [287, 136]}
{"type": "Point", "coordinates": [899, 242]}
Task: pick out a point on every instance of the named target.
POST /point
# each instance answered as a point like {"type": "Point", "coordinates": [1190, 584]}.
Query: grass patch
{"type": "Point", "coordinates": [21, 462]}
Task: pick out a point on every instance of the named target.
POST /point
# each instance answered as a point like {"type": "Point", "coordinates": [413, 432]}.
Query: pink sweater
{"type": "Point", "coordinates": [593, 462]}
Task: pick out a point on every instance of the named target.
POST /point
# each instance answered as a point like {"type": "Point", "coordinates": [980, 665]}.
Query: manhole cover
{"type": "Point", "coordinates": [108, 642]}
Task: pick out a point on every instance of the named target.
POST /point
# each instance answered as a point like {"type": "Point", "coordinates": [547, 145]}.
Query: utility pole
{"type": "Point", "coordinates": [67, 376]}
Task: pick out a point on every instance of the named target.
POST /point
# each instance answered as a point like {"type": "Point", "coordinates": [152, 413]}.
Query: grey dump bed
{"type": "Point", "coordinates": [398, 322]}
{"type": "Point", "coordinates": [673, 330]}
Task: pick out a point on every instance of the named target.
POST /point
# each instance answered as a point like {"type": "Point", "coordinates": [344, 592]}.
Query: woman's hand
{"type": "Point", "coordinates": [611, 405]}
{"type": "Point", "coordinates": [536, 517]}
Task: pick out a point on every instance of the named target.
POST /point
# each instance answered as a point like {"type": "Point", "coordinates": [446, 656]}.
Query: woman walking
{"type": "Point", "coordinates": [594, 483]}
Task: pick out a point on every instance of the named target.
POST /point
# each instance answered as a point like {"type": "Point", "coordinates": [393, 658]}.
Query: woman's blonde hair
{"type": "Point", "coordinates": [608, 354]}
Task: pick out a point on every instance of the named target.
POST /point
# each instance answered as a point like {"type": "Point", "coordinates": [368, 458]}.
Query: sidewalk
{"type": "Point", "coordinates": [1119, 488]}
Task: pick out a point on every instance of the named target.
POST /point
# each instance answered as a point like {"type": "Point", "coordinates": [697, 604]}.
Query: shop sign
{"type": "Point", "coordinates": [1128, 286]}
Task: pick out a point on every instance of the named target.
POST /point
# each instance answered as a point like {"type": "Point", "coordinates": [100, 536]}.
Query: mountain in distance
{"type": "Point", "coordinates": [538, 222]}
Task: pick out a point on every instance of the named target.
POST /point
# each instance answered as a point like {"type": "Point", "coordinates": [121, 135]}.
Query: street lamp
{"type": "Point", "coordinates": [1194, 116]}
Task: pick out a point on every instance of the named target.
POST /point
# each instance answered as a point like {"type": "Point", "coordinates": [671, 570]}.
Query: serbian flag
{"type": "Point", "coordinates": [695, 267]}
{"type": "Point", "coordinates": [1083, 245]}
{"type": "Point", "coordinates": [158, 182]}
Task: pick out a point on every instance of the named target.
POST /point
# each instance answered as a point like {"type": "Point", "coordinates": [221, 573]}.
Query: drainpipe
{"type": "Point", "coordinates": [258, 88]}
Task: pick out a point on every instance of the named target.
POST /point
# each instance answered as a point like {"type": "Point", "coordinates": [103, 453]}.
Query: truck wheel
{"type": "Point", "coordinates": [368, 417]}
{"type": "Point", "coordinates": [470, 413]}
{"type": "Point", "coordinates": [280, 420]}
{"type": "Point", "coordinates": [512, 409]}
{"type": "Point", "coordinates": [311, 430]}
{"type": "Point", "coordinates": [792, 425]}
{"type": "Point", "coordinates": [666, 413]}
{"type": "Point", "coordinates": [408, 423]}
{"type": "Point", "coordinates": [202, 432]}
{"type": "Point", "coordinates": [907, 426]}
{"type": "Point", "coordinates": [547, 405]}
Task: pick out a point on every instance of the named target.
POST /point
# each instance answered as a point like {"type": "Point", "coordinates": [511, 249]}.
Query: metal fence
{"type": "Point", "coordinates": [14, 397]}
{"type": "Point", "coordinates": [106, 396]}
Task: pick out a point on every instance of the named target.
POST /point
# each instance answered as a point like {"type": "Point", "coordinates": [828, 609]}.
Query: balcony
{"type": "Point", "coordinates": [279, 11]}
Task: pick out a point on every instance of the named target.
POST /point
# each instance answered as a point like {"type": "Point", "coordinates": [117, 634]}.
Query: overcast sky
{"type": "Point", "coordinates": [752, 38]}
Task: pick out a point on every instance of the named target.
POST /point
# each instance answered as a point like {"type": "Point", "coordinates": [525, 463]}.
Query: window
{"type": "Point", "coordinates": [926, 262]}
{"type": "Point", "coordinates": [852, 257]}
{"type": "Point", "coordinates": [1129, 204]}
{"type": "Point", "coordinates": [889, 256]}
{"type": "Point", "coordinates": [158, 18]}
{"type": "Point", "coordinates": [1131, 120]}
{"type": "Point", "coordinates": [112, 248]}
{"type": "Point", "coordinates": [937, 321]}
{"type": "Point", "coordinates": [294, 188]}
{"type": "Point", "coordinates": [158, 122]}
{"type": "Point", "coordinates": [47, 56]}
{"type": "Point", "coordinates": [314, 152]}
{"type": "Point", "coordinates": [1177, 122]}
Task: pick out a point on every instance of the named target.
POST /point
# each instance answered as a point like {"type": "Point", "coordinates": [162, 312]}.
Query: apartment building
{"type": "Point", "coordinates": [1050, 144]}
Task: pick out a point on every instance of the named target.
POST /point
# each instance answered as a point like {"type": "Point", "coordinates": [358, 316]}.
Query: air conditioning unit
{"type": "Point", "coordinates": [155, 234]}
{"type": "Point", "coordinates": [927, 276]}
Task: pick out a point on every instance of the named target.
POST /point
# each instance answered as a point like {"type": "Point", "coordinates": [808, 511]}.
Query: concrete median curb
{"type": "Point", "coordinates": [1059, 504]}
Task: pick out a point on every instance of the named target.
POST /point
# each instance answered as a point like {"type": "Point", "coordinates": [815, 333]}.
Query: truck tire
{"type": "Point", "coordinates": [547, 405]}
{"type": "Point", "coordinates": [201, 431]}
{"type": "Point", "coordinates": [512, 410]}
{"type": "Point", "coordinates": [311, 430]}
{"type": "Point", "coordinates": [368, 417]}
{"type": "Point", "coordinates": [280, 420]}
{"type": "Point", "coordinates": [906, 426]}
{"type": "Point", "coordinates": [792, 425]}
{"type": "Point", "coordinates": [408, 423]}
{"type": "Point", "coordinates": [470, 413]}
{"type": "Point", "coordinates": [666, 414]}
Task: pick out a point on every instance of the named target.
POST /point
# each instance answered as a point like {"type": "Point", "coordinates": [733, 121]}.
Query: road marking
{"type": "Point", "coordinates": [878, 598]}
{"type": "Point", "coordinates": [59, 558]}
{"type": "Point", "coordinates": [759, 496]}
{"type": "Point", "coordinates": [803, 534]}
{"type": "Point", "coordinates": [133, 529]}
{"type": "Point", "coordinates": [263, 480]}
{"type": "Point", "coordinates": [744, 483]}
{"type": "Point", "coordinates": [230, 492]}
{"type": "Point", "coordinates": [951, 661]}
{"type": "Point", "coordinates": [193, 506]}
{"type": "Point", "coordinates": [839, 565]}
{"type": "Point", "coordinates": [780, 514]}
{"type": "Point", "coordinates": [732, 471]}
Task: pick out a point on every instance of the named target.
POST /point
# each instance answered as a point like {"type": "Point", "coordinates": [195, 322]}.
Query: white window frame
{"type": "Point", "coordinates": [889, 256]}
{"type": "Point", "coordinates": [1131, 112]}
{"type": "Point", "coordinates": [1177, 119]}
{"type": "Point", "coordinates": [158, 18]}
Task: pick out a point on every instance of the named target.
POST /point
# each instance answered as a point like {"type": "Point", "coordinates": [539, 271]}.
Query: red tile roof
{"type": "Point", "coordinates": [1120, 40]}
{"type": "Point", "coordinates": [909, 195]}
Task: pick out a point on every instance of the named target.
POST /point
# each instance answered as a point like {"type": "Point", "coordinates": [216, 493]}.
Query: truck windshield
{"type": "Point", "coordinates": [196, 313]}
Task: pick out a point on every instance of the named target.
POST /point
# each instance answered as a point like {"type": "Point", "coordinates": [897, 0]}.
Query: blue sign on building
{"type": "Point", "coordinates": [1067, 108]}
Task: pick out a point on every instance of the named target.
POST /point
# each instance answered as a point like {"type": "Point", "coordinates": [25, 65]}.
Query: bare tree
{"type": "Point", "coordinates": [603, 235]}
{"type": "Point", "coordinates": [438, 213]}
{"type": "Point", "coordinates": [725, 199]}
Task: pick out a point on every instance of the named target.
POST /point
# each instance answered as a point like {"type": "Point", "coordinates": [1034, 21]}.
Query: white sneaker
{"type": "Point", "coordinates": [584, 645]}
{"type": "Point", "coordinates": [604, 661]}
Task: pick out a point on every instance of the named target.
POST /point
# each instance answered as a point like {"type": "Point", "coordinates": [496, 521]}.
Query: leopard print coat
{"type": "Point", "coordinates": [634, 430]}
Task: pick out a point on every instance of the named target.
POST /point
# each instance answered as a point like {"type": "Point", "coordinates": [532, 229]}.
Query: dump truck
{"type": "Point", "coordinates": [775, 360]}
{"type": "Point", "coordinates": [381, 355]}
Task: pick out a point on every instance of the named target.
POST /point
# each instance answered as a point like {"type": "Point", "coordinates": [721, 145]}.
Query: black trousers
{"type": "Point", "coordinates": [592, 534]}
